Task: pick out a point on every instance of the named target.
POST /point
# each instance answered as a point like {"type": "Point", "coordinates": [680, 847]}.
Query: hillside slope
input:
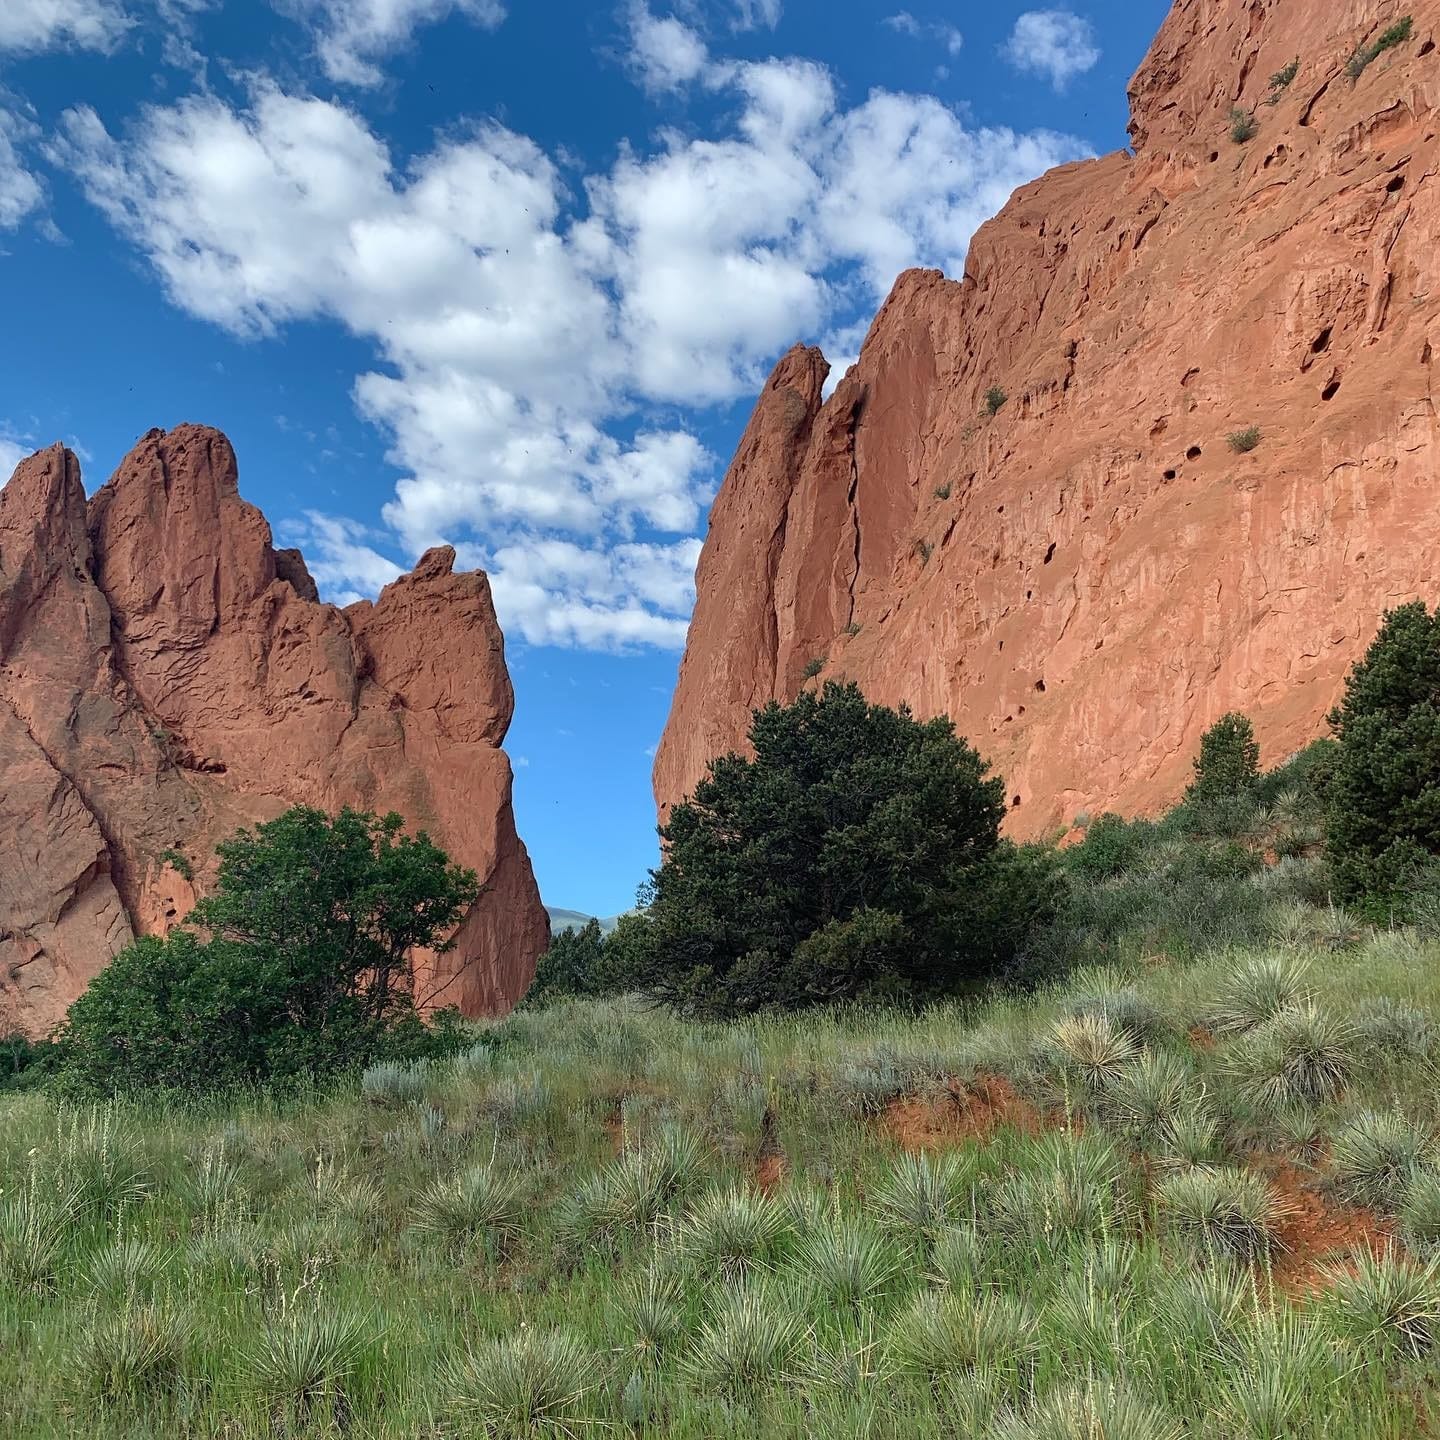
{"type": "Point", "coordinates": [1086, 578]}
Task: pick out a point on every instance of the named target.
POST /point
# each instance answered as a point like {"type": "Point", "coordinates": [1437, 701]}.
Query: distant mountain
{"type": "Point", "coordinates": [576, 920]}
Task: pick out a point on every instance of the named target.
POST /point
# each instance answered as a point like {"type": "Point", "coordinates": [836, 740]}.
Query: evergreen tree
{"type": "Point", "coordinates": [1227, 771]}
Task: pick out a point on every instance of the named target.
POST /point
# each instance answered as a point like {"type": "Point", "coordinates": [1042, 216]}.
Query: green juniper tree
{"type": "Point", "coordinates": [1384, 790]}
{"type": "Point", "coordinates": [1227, 774]}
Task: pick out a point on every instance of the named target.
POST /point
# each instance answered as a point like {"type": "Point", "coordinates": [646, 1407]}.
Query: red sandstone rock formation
{"type": "Point", "coordinates": [167, 676]}
{"type": "Point", "coordinates": [1086, 579]}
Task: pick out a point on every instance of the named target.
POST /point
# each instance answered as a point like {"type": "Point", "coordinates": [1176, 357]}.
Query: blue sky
{"type": "Point", "coordinates": [504, 274]}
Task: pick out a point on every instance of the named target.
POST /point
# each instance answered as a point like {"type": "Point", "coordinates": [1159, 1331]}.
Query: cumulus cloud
{"type": "Point", "coordinates": [1057, 44]}
{"type": "Point", "coordinates": [30, 26]}
{"type": "Point", "coordinates": [12, 452]}
{"type": "Point", "coordinates": [351, 36]}
{"type": "Point", "coordinates": [946, 36]}
{"type": "Point", "coordinates": [533, 339]}
{"type": "Point", "coordinates": [751, 14]}
{"type": "Point", "coordinates": [665, 52]}
{"type": "Point", "coordinates": [340, 558]}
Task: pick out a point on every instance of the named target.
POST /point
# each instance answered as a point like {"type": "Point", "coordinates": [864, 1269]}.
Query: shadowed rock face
{"type": "Point", "coordinates": [1086, 579]}
{"type": "Point", "coordinates": [166, 676]}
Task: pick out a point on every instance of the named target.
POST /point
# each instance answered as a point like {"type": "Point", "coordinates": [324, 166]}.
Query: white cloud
{"type": "Point", "coordinates": [20, 190]}
{"type": "Point", "coordinates": [665, 52]}
{"type": "Point", "coordinates": [751, 14]}
{"type": "Point", "coordinates": [344, 567]}
{"type": "Point", "coordinates": [12, 452]}
{"type": "Point", "coordinates": [529, 338]}
{"type": "Point", "coordinates": [30, 26]}
{"type": "Point", "coordinates": [352, 35]}
{"type": "Point", "coordinates": [947, 36]}
{"type": "Point", "coordinates": [1057, 44]}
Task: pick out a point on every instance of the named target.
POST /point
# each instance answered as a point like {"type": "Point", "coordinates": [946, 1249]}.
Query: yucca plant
{"type": "Point", "coordinates": [634, 1190]}
{"type": "Point", "coordinates": [1301, 1055]}
{"type": "Point", "coordinates": [131, 1353]}
{"type": "Point", "coordinates": [101, 1166]}
{"type": "Point", "coordinates": [1091, 1048]}
{"type": "Point", "coordinates": [34, 1226]}
{"type": "Point", "coordinates": [214, 1190]}
{"type": "Point", "coordinates": [959, 1257]}
{"type": "Point", "coordinates": [1223, 1212]}
{"type": "Point", "coordinates": [331, 1189]}
{"type": "Point", "coordinates": [530, 1383]}
{"type": "Point", "coordinates": [651, 1308]}
{"type": "Point", "coordinates": [1122, 1005]}
{"type": "Point", "coordinates": [1385, 1299]}
{"type": "Point", "coordinates": [1257, 990]}
{"type": "Point", "coordinates": [1420, 1209]}
{"type": "Point", "coordinates": [1100, 1410]}
{"type": "Point", "coordinates": [482, 1200]}
{"type": "Point", "coordinates": [846, 1262]}
{"type": "Point", "coordinates": [748, 1341]}
{"type": "Point", "coordinates": [129, 1266]}
{"type": "Point", "coordinates": [731, 1231]}
{"type": "Point", "coordinates": [307, 1357]}
{"type": "Point", "coordinates": [1283, 1361]}
{"type": "Point", "coordinates": [1388, 1029]}
{"type": "Point", "coordinates": [941, 1333]}
{"type": "Point", "coordinates": [1375, 1156]}
{"type": "Point", "coordinates": [1150, 1094]}
{"type": "Point", "coordinates": [1189, 1140]}
{"type": "Point", "coordinates": [1064, 1186]}
{"type": "Point", "coordinates": [923, 1193]}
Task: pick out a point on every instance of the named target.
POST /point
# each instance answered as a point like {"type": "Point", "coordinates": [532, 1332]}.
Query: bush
{"type": "Point", "coordinates": [1384, 795]}
{"type": "Point", "coordinates": [1242, 442]}
{"type": "Point", "coordinates": [308, 967]}
{"type": "Point", "coordinates": [1396, 34]}
{"type": "Point", "coordinates": [1281, 79]}
{"type": "Point", "coordinates": [857, 855]}
{"type": "Point", "coordinates": [1243, 125]}
{"type": "Point", "coordinates": [1227, 771]}
{"type": "Point", "coordinates": [573, 965]}
{"type": "Point", "coordinates": [995, 398]}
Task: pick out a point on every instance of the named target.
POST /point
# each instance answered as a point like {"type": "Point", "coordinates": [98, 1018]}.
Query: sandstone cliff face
{"type": "Point", "coordinates": [167, 676]}
{"type": "Point", "coordinates": [1087, 579]}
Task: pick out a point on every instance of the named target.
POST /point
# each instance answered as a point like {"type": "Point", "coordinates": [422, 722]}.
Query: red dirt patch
{"type": "Point", "coordinates": [1316, 1231]}
{"type": "Point", "coordinates": [962, 1111]}
{"type": "Point", "coordinates": [770, 1171]}
{"type": "Point", "coordinates": [1201, 1038]}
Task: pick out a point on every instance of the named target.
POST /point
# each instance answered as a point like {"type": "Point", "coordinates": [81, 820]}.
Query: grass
{"type": "Point", "coordinates": [1242, 442]}
{"type": "Point", "coordinates": [565, 1233]}
{"type": "Point", "coordinates": [1393, 35]}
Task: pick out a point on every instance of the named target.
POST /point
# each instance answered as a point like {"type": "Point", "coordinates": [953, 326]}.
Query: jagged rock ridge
{"type": "Point", "coordinates": [166, 676]}
{"type": "Point", "coordinates": [1086, 579]}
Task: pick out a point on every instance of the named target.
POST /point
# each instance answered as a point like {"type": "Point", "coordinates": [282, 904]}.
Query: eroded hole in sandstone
{"type": "Point", "coordinates": [1426, 48]}
{"type": "Point", "coordinates": [1193, 453]}
{"type": "Point", "coordinates": [1170, 474]}
{"type": "Point", "coordinates": [1050, 553]}
{"type": "Point", "coordinates": [1321, 342]}
{"type": "Point", "coordinates": [1330, 391]}
{"type": "Point", "coordinates": [1188, 376]}
{"type": "Point", "coordinates": [1425, 354]}
{"type": "Point", "coordinates": [1022, 709]}
{"type": "Point", "coordinates": [1015, 803]}
{"type": "Point", "coordinates": [1040, 686]}
{"type": "Point", "coordinates": [1214, 156]}
{"type": "Point", "coordinates": [1396, 185]}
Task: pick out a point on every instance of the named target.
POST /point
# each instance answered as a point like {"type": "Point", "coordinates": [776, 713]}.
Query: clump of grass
{"type": "Point", "coordinates": [1100, 1410]}
{"type": "Point", "coordinates": [924, 549]}
{"type": "Point", "coordinates": [132, 1353]}
{"type": "Point", "coordinates": [394, 1082]}
{"type": "Point", "coordinates": [483, 1199]}
{"type": "Point", "coordinates": [1383, 1300]}
{"type": "Point", "coordinates": [1282, 78]}
{"type": "Point", "coordinates": [923, 1193]}
{"type": "Point", "coordinates": [1256, 991]}
{"type": "Point", "coordinates": [747, 1343]}
{"type": "Point", "coordinates": [995, 399]}
{"type": "Point", "coordinates": [1243, 125]}
{"type": "Point", "coordinates": [305, 1358]}
{"type": "Point", "coordinates": [943, 1333]}
{"type": "Point", "coordinates": [1242, 442]}
{"type": "Point", "coordinates": [1396, 34]}
{"type": "Point", "coordinates": [101, 1167]}
{"type": "Point", "coordinates": [33, 1229]}
{"type": "Point", "coordinates": [813, 667]}
{"type": "Point", "coordinates": [846, 1262]}
{"type": "Point", "coordinates": [1386, 1028]}
{"type": "Point", "coordinates": [1302, 1055]}
{"type": "Point", "coordinates": [942, 491]}
{"type": "Point", "coordinates": [1224, 1212]}
{"type": "Point", "coordinates": [533, 1382]}
{"type": "Point", "coordinates": [1122, 1005]}
{"type": "Point", "coordinates": [1375, 1156]}
{"type": "Point", "coordinates": [1282, 1364]}
{"type": "Point", "coordinates": [854, 628]}
{"type": "Point", "coordinates": [730, 1232]}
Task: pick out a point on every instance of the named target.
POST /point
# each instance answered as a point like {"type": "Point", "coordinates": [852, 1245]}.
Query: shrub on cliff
{"type": "Point", "coordinates": [304, 966]}
{"type": "Point", "coordinates": [1384, 790]}
{"type": "Point", "coordinates": [857, 855]}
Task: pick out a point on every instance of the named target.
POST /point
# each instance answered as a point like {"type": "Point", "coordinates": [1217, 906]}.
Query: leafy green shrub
{"type": "Point", "coordinates": [1112, 845]}
{"type": "Point", "coordinates": [813, 667]}
{"type": "Point", "coordinates": [1243, 125]}
{"type": "Point", "coordinates": [308, 967]}
{"type": "Point", "coordinates": [1396, 34]}
{"type": "Point", "coordinates": [1384, 795]}
{"type": "Point", "coordinates": [942, 491]}
{"type": "Point", "coordinates": [995, 398]}
{"type": "Point", "coordinates": [25, 1063]}
{"type": "Point", "coordinates": [1227, 768]}
{"type": "Point", "coordinates": [857, 855]}
{"type": "Point", "coordinates": [1281, 79]}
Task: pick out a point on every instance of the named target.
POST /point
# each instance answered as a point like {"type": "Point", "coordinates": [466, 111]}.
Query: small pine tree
{"type": "Point", "coordinates": [1384, 794]}
{"type": "Point", "coordinates": [1227, 769]}
{"type": "Point", "coordinates": [573, 965]}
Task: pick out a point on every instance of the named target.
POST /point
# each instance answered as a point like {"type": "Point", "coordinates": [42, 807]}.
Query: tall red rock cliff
{"type": "Point", "coordinates": [166, 676]}
{"type": "Point", "coordinates": [1087, 578]}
